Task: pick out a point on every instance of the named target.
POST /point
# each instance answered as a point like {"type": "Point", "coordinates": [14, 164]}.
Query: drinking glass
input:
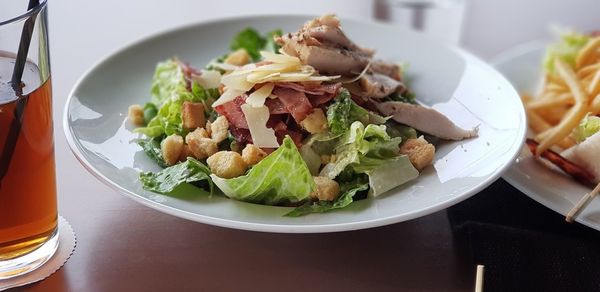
{"type": "Point", "coordinates": [28, 208]}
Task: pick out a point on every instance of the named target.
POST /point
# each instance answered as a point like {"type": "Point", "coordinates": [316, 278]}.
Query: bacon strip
{"type": "Point", "coordinates": [233, 112]}
{"type": "Point", "coordinates": [577, 172]}
{"type": "Point", "coordinates": [295, 102]}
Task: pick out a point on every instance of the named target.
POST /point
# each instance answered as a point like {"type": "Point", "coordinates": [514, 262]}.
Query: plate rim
{"type": "Point", "coordinates": [278, 228]}
{"type": "Point", "coordinates": [521, 185]}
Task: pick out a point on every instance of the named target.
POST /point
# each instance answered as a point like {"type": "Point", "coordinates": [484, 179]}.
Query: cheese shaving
{"type": "Point", "coordinates": [257, 98]}
{"type": "Point", "coordinates": [257, 118]}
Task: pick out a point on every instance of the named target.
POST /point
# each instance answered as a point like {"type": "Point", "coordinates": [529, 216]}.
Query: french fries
{"type": "Point", "coordinates": [566, 98]}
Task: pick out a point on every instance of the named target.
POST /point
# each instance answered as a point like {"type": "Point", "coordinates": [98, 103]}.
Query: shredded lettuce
{"type": "Point", "coordinates": [348, 191]}
{"type": "Point", "coordinates": [566, 50]}
{"type": "Point", "coordinates": [588, 126]}
{"type": "Point", "coordinates": [167, 180]}
{"type": "Point", "coordinates": [280, 178]}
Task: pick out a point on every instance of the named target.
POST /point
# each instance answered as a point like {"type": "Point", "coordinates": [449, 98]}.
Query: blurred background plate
{"type": "Point", "coordinates": [522, 65]}
{"type": "Point", "coordinates": [456, 83]}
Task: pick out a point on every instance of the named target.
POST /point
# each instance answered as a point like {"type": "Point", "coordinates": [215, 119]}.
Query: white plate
{"type": "Point", "coordinates": [469, 91]}
{"type": "Point", "coordinates": [522, 65]}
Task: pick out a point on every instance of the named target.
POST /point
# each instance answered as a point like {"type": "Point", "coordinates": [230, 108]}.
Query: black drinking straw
{"type": "Point", "coordinates": [15, 126]}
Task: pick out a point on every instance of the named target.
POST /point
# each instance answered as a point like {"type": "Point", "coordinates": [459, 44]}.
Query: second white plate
{"type": "Point", "coordinates": [522, 66]}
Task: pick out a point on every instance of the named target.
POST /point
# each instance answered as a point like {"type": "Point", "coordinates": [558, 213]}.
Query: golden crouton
{"type": "Point", "coordinates": [135, 112]}
{"type": "Point", "coordinates": [326, 190]}
{"type": "Point", "coordinates": [253, 154]}
{"type": "Point", "coordinates": [185, 153]}
{"type": "Point", "coordinates": [171, 148]}
{"type": "Point", "coordinates": [419, 151]}
{"type": "Point", "coordinates": [238, 58]}
{"type": "Point", "coordinates": [192, 115]}
{"type": "Point", "coordinates": [218, 129]}
{"type": "Point", "coordinates": [227, 164]}
{"type": "Point", "coordinates": [316, 122]}
{"type": "Point", "coordinates": [201, 146]}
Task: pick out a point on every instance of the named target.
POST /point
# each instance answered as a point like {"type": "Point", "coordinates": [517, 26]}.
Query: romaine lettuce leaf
{"type": "Point", "coordinates": [165, 181]}
{"type": "Point", "coordinates": [393, 173]}
{"type": "Point", "coordinates": [370, 150]}
{"type": "Point", "coordinates": [567, 50]}
{"type": "Point", "coordinates": [347, 190]}
{"type": "Point", "coordinates": [363, 149]}
{"type": "Point", "coordinates": [168, 79]}
{"type": "Point", "coordinates": [343, 112]}
{"type": "Point", "coordinates": [152, 148]}
{"type": "Point", "coordinates": [588, 126]}
{"type": "Point", "coordinates": [280, 178]}
{"type": "Point", "coordinates": [250, 40]}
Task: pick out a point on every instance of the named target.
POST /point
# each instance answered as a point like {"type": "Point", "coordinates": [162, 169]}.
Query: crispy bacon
{"type": "Point", "coordinates": [317, 94]}
{"type": "Point", "coordinates": [577, 172]}
{"type": "Point", "coordinates": [275, 106]}
{"type": "Point", "coordinates": [233, 112]}
{"type": "Point", "coordinates": [295, 102]}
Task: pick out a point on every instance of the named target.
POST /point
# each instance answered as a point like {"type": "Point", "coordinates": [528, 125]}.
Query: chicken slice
{"type": "Point", "coordinates": [425, 120]}
{"type": "Point", "coordinates": [377, 85]}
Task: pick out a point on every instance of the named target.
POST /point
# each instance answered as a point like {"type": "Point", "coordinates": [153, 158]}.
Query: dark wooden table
{"type": "Point", "coordinates": [124, 246]}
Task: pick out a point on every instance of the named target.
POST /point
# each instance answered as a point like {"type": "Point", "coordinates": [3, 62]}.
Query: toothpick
{"type": "Point", "coordinates": [582, 204]}
{"type": "Point", "coordinates": [479, 278]}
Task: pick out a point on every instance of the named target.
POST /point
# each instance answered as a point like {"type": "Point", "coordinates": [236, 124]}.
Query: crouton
{"type": "Point", "coordinates": [326, 189]}
{"type": "Point", "coordinates": [227, 164]}
{"type": "Point", "coordinates": [419, 151]}
{"type": "Point", "coordinates": [135, 112]}
{"type": "Point", "coordinates": [171, 148]}
{"type": "Point", "coordinates": [253, 154]}
{"type": "Point", "coordinates": [218, 129]}
{"type": "Point", "coordinates": [201, 146]}
{"type": "Point", "coordinates": [238, 58]}
{"type": "Point", "coordinates": [192, 115]}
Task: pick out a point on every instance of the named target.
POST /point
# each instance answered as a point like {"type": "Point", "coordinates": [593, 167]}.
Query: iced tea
{"type": "Point", "coordinates": [28, 208]}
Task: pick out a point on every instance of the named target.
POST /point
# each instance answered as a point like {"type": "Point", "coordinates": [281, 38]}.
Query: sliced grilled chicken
{"type": "Point", "coordinates": [425, 120]}
{"type": "Point", "coordinates": [376, 85]}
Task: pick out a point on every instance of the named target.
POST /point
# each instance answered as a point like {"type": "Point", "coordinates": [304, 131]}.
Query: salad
{"type": "Point", "coordinates": [564, 114]}
{"type": "Point", "coordinates": [305, 119]}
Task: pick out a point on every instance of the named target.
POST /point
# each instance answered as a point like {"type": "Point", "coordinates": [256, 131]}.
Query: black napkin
{"type": "Point", "coordinates": [524, 245]}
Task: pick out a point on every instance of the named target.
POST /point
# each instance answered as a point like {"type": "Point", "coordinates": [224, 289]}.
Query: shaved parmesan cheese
{"type": "Point", "coordinates": [280, 58]}
{"type": "Point", "coordinates": [237, 81]}
{"type": "Point", "coordinates": [257, 118]}
{"type": "Point", "coordinates": [227, 96]}
{"type": "Point", "coordinates": [208, 79]}
{"type": "Point", "coordinates": [223, 66]}
{"type": "Point", "coordinates": [257, 98]}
